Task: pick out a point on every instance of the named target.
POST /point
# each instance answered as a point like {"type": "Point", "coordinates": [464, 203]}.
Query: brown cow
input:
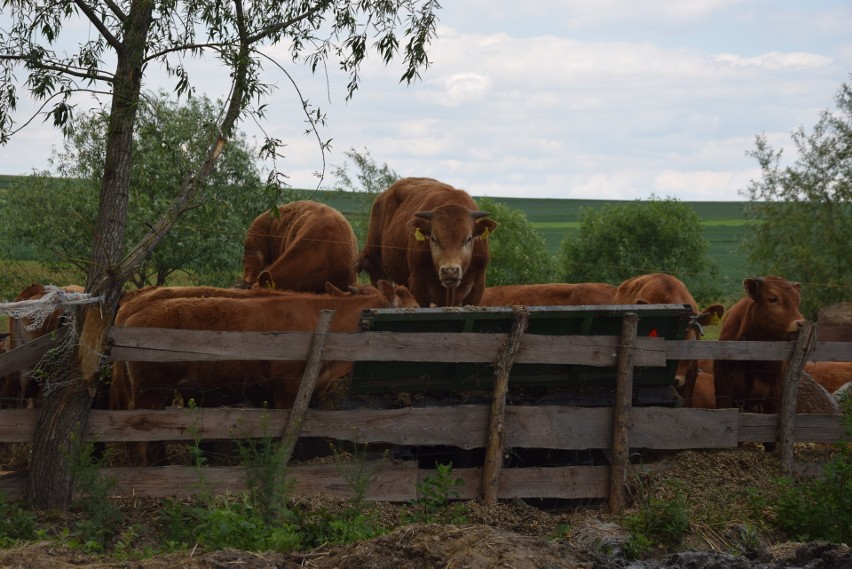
{"type": "Point", "coordinates": [831, 375]}
{"type": "Point", "coordinates": [150, 385]}
{"type": "Point", "coordinates": [554, 294]}
{"type": "Point", "coordinates": [660, 288]}
{"type": "Point", "coordinates": [768, 312]}
{"type": "Point", "coordinates": [19, 385]}
{"type": "Point", "coordinates": [305, 246]}
{"type": "Point", "coordinates": [811, 397]}
{"type": "Point", "coordinates": [430, 237]}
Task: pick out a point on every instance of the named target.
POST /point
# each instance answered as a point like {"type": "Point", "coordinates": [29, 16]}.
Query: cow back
{"type": "Point", "coordinates": [305, 246]}
{"type": "Point", "coordinates": [554, 294]}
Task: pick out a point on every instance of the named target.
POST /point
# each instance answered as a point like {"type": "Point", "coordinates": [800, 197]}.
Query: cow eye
{"type": "Point", "coordinates": [773, 299]}
{"type": "Point", "coordinates": [469, 239]}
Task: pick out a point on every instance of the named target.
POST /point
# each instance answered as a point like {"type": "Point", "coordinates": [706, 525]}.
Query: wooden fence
{"type": "Point", "coordinates": [495, 427]}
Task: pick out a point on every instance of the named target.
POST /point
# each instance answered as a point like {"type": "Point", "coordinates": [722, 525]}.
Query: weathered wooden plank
{"type": "Point", "coordinates": [389, 482]}
{"type": "Point", "coordinates": [166, 344]}
{"type": "Point", "coordinates": [163, 344]}
{"type": "Point", "coordinates": [540, 426]}
{"type": "Point", "coordinates": [29, 354]}
{"type": "Point", "coordinates": [758, 428]}
{"type": "Point", "coordinates": [159, 344]}
{"type": "Point", "coordinates": [666, 428]}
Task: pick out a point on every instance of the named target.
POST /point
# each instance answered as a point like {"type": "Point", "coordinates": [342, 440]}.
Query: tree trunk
{"type": "Point", "coordinates": [68, 399]}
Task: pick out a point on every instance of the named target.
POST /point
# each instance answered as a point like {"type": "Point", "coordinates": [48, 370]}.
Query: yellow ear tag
{"type": "Point", "coordinates": [715, 320]}
{"type": "Point", "coordinates": [419, 234]}
{"type": "Point", "coordinates": [485, 234]}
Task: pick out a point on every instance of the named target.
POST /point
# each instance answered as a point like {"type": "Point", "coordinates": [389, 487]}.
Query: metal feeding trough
{"type": "Point", "coordinates": [575, 384]}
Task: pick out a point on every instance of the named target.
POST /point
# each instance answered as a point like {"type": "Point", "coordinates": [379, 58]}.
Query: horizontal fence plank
{"type": "Point", "coordinates": [389, 482]}
{"type": "Point", "coordinates": [166, 345]}
{"type": "Point", "coordinates": [463, 426]}
{"type": "Point", "coordinates": [756, 427]}
{"type": "Point", "coordinates": [163, 344]}
{"type": "Point", "coordinates": [29, 354]}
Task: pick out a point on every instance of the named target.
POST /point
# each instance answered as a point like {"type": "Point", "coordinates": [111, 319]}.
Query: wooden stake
{"type": "Point", "coordinates": [502, 366]}
{"type": "Point", "coordinates": [306, 388]}
{"type": "Point", "coordinates": [621, 413]}
{"type": "Point", "coordinates": [789, 394]}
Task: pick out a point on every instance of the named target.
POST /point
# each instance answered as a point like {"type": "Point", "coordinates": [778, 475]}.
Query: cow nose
{"type": "Point", "coordinates": [450, 273]}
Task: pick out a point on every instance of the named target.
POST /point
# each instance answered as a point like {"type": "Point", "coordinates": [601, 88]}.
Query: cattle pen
{"type": "Point", "coordinates": [629, 351]}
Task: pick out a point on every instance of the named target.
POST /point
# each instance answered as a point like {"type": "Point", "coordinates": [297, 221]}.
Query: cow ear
{"type": "Point", "coordinates": [264, 280]}
{"type": "Point", "coordinates": [484, 227]}
{"type": "Point", "coordinates": [333, 290]}
{"type": "Point", "coordinates": [386, 288]}
{"type": "Point", "coordinates": [711, 315]}
{"type": "Point", "coordinates": [752, 286]}
{"type": "Point", "coordinates": [420, 227]}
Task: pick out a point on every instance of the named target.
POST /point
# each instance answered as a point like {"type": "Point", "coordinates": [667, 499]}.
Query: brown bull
{"type": "Point", "coordinates": [768, 312]}
{"type": "Point", "coordinates": [553, 294]}
{"type": "Point", "coordinates": [660, 288]}
{"type": "Point", "coordinates": [18, 386]}
{"type": "Point", "coordinates": [430, 237]}
{"type": "Point", "coordinates": [151, 385]}
{"type": "Point", "coordinates": [305, 246]}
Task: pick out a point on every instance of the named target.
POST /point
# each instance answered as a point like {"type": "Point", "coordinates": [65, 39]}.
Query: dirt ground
{"type": "Point", "coordinates": [521, 534]}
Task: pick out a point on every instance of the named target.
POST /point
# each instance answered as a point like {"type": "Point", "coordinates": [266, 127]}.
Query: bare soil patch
{"type": "Point", "coordinates": [540, 534]}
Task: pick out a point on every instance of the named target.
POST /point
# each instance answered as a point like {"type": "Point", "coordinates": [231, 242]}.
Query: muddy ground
{"type": "Point", "coordinates": [521, 534]}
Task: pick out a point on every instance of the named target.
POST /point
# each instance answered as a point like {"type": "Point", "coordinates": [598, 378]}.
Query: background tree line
{"type": "Point", "coordinates": [803, 229]}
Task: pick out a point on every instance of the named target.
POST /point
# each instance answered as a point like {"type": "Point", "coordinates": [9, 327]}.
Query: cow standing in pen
{"type": "Point", "coordinates": [768, 312]}
{"type": "Point", "coordinates": [661, 288]}
{"type": "Point", "coordinates": [430, 237]}
{"type": "Point", "coordinates": [306, 245]}
{"type": "Point", "coordinates": [151, 385]}
{"type": "Point", "coordinates": [552, 294]}
{"type": "Point", "coordinates": [19, 387]}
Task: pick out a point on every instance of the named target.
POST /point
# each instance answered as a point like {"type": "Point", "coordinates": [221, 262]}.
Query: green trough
{"type": "Point", "coordinates": [576, 384]}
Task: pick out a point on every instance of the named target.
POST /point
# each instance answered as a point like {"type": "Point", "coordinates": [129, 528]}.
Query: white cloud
{"type": "Point", "coordinates": [568, 99]}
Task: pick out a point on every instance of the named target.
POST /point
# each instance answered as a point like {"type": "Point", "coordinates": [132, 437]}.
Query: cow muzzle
{"type": "Point", "coordinates": [794, 328]}
{"type": "Point", "coordinates": [450, 275]}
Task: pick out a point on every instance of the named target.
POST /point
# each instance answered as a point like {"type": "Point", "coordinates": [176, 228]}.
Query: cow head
{"type": "Point", "coordinates": [687, 370]}
{"type": "Point", "coordinates": [450, 231]}
{"type": "Point", "coordinates": [775, 306]}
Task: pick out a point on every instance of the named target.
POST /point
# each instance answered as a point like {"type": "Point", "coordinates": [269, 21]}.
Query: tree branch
{"type": "Point", "coordinates": [93, 18]}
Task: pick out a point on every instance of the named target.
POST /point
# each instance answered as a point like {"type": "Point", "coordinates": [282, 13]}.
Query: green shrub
{"type": "Point", "coordinates": [657, 522]}
{"type": "Point", "coordinates": [821, 509]}
{"type": "Point", "coordinates": [434, 495]}
{"type": "Point", "coordinates": [16, 523]}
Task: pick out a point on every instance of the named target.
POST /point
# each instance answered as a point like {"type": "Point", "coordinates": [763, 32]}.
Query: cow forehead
{"type": "Point", "coordinates": [449, 219]}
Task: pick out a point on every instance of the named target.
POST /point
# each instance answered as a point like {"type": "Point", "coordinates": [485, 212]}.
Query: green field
{"type": "Point", "coordinates": [723, 224]}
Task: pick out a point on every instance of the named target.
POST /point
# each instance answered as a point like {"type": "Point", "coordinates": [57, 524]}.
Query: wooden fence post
{"type": "Point", "coordinates": [789, 395]}
{"type": "Point", "coordinates": [494, 451]}
{"type": "Point", "coordinates": [621, 413]}
{"type": "Point", "coordinates": [306, 388]}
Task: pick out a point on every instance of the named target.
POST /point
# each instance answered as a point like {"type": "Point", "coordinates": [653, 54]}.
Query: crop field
{"type": "Point", "coordinates": [723, 224]}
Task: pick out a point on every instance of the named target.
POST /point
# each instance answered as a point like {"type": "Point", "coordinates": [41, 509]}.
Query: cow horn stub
{"type": "Point", "coordinates": [424, 214]}
{"type": "Point", "coordinates": [479, 214]}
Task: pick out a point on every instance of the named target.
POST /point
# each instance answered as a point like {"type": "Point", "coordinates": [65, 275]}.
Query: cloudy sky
{"type": "Point", "coordinates": [611, 99]}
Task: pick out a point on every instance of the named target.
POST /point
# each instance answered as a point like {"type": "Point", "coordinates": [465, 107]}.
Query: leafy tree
{"type": "Point", "coordinates": [126, 40]}
{"type": "Point", "coordinates": [53, 214]}
{"type": "Point", "coordinates": [619, 241]}
{"type": "Point", "coordinates": [803, 210]}
{"type": "Point", "coordinates": [518, 252]}
{"type": "Point", "coordinates": [370, 180]}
